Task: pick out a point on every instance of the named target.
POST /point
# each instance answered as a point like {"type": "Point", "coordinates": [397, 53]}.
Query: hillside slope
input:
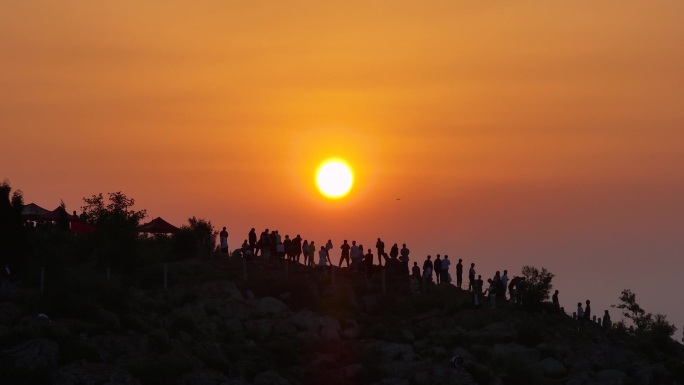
{"type": "Point", "coordinates": [286, 324]}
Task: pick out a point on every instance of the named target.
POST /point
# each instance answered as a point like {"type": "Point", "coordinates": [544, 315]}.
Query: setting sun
{"type": "Point", "coordinates": [334, 179]}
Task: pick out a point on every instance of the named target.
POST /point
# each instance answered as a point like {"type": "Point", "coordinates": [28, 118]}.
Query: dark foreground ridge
{"type": "Point", "coordinates": [221, 321]}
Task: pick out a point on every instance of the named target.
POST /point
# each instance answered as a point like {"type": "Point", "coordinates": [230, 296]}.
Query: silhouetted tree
{"type": "Point", "coordinates": [537, 286]}
{"type": "Point", "coordinates": [643, 322]}
{"type": "Point", "coordinates": [12, 244]}
{"type": "Point", "coordinates": [196, 239]}
{"type": "Point", "coordinates": [116, 224]}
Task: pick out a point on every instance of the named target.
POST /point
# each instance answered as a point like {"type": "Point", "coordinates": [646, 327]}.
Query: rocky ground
{"type": "Point", "coordinates": [291, 325]}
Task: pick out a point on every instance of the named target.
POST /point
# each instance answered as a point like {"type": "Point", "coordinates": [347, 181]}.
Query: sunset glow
{"type": "Point", "coordinates": [548, 133]}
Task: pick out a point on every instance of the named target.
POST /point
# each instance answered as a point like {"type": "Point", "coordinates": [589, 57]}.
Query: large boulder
{"type": "Point", "coordinates": [233, 309]}
{"type": "Point", "coordinates": [549, 367]}
{"type": "Point", "coordinates": [35, 354]}
{"type": "Point", "coordinates": [218, 289]}
{"type": "Point", "coordinates": [260, 327]}
{"type": "Point", "coordinates": [284, 328]}
{"type": "Point", "coordinates": [9, 313]}
{"type": "Point", "coordinates": [305, 321]}
{"type": "Point", "coordinates": [517, 352]}
{"type": "Point", "coordinates": [352, 331]}
{"type": "Point", "coordinates": [499, 330]}
{"type": "Point", "coordinates": [211, 353]}
{"type": "Point", "coordinates": [393, 351]}
{"type": "Point", "coordinates": [329, 328]}
{"type": "Point", "coordinates": [611, 377]}
{"type": "Point", "coordinates": [112, 346]}
{"type": "Point", "coordinates": [269, 306]}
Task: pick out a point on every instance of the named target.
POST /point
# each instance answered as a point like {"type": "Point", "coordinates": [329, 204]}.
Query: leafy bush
{"type": "Point", "coordinates": [536, 287]}
{"type": "Point", "coordinates": [197, 239]}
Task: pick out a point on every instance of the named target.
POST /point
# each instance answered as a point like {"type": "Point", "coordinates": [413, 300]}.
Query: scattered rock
{"type": "Point", "coordinates": [550, 367]}
{"type": "Point", "coordinates": [611, 377]}
{"type": "Point", "coordinates": [353, 371]}
{"type": "Point", "coordinates": [270, 377]}
{"type": "Point", "coordinates": [87, 373]}
{"type": "Point", "coordinates": [204, 377]}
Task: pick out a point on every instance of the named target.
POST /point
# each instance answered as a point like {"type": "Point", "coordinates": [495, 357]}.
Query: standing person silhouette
{"type": "Point", "coordinates": [305, 251]}
{"type": "Point", "coordinates": [328, 247]}
{"type": "Point", "coordinates": [459, 273]}
{"type": "Point", "coordinates": [368, 261]}
{"type": "Point", "coordinates": [289, 249]}
{"type": "Point", "coordinates": [471, 277]}
{"type": "Point", "coordinates": [312, 252]}
{"type": "Point", "coordinates": [580, 315]}
{"type": "Point", "coordinates": [223, 235]}
{"type": "Point", "coordinates": [394, 251]}
{"type": "Point", "coordinates": [297, 246]}
{"type": "Point", "coordinates": [405, 258]}
{"type": "Point", "coordinates": [445, 269]}
{"type": "Point", "coordinates": [504, 281]}
{"type": "Point", "coordinates": [587, 311]}
{"type": "Point", "coordinates": [356, 254]}
{"type": "Point", "coordinates": [438, 268]}
{"type": "Point", "coordinates": [252, 238]}
{"type": "Point", "coordinates": [606, 320]}
{"type": "Point", "coordinates": [345, 253]}
{"type": "Point", "coordinates": [554, 299]}
{"type": "Point", "coordinates": [265, 241]}
{"type": "Point", "coordinates": [415, 271]}
{"type": "Point", "coordinates": [427, 269]}
{"type": "Point", "coordinates": [323, 257]}
{"type": "Point", "coordinates": [380, 245]}
{"type": "Point", "coordinates": [491, 290]}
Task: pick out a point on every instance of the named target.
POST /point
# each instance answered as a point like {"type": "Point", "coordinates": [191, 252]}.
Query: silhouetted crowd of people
{"type": "Point", "coordinates": [499, 289]}
{"type": "Point", "coordinates": [271, 244]}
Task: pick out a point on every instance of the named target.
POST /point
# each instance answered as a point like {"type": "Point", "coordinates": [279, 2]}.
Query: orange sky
{"type": "Point", "coordinates": [545, 133]}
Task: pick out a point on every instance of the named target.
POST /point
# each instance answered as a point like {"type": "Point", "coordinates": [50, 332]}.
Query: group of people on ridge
{"type": "Point", "coordinates": [270, 244]}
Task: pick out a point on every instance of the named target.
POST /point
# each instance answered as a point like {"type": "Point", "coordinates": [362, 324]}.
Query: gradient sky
{"type": "Point", "coordinates": [513, 133]}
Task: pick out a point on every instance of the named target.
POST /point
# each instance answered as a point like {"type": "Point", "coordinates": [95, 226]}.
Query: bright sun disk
{"type": "Point", "coordinates": [334, 179]}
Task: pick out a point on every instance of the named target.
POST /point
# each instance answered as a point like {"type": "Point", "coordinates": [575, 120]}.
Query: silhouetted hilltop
{"type": "Point", "coordinates": [236, 322]}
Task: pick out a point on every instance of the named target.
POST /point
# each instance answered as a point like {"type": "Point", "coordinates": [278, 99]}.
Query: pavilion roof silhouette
{"type": "Point", "coordinates": [158, 226]}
